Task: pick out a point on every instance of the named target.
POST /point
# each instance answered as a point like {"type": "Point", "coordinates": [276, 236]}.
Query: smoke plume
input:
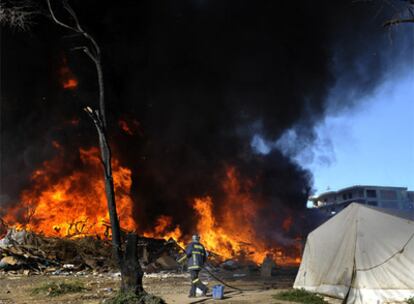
{"type": "Point", "coordinates": [196, 81]}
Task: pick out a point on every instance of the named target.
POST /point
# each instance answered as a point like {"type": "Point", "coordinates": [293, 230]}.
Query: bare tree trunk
{"type": "Point", "coordinates": [131, 272]}
{"type": "Point", "coordinates": [131, 269]}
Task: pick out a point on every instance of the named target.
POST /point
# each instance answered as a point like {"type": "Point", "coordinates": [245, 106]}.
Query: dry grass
{"type": "Point", "coordinates": [56, 289]}
{"type": "Point", "coordinates": [131, 298]}
{"type": "Point", "coordinates": [299, 296]}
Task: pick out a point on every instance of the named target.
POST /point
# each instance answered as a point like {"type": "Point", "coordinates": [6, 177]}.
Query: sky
{"type": "Point", "coordinates": [199, 81]}
{"type": "Point", "coordinates": [370, 144]}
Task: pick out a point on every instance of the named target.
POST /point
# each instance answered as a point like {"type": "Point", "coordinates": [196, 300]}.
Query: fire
{"type": "Point", "coordinates": [67, 78]}
{"type": "Point", "coordinates": [71, 83]}
{"type": "Point", "coordinates": [165, 229]}
{"type": "Point", "coordinates": [233, 234]}
{"type": "Point", "coordinates": [56, 145]}
{"type": "Point", "coordinates": [64, 202]}
{"type": "Point", "coordinates": [130, 126]}
{"type": "Point", "coordinates": [74, 204]}
{"type": "Point", "coordinates": [124, 126]}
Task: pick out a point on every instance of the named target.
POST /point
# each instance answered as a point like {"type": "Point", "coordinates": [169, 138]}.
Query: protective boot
{"type": "Point", "coordinates": [192, 291]}
{"type": "Point", "coordinates": [205, 290]}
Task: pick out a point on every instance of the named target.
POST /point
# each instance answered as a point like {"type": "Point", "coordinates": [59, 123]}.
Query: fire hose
{"type": "Point", "coordinates": [214, 276]}
{"type": "Point", "coordinates": [220, 280]}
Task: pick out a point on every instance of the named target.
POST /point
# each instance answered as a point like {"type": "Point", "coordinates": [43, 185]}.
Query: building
{"type": "Point", "coordinates": [381, 196]}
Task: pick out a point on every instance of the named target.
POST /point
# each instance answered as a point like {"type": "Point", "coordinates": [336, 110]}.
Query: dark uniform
{"type": "Point", "coordinates": [197, 256]}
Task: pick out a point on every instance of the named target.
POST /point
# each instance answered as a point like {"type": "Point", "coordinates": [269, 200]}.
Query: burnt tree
{"type": "Point", "coordinates": [127, 260]}
{"type": "Point", "coordinates": [401, 15]}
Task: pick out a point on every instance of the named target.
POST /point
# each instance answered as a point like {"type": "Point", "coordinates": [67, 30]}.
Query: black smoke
{"type": "Point", "coordinates": [201, 78]}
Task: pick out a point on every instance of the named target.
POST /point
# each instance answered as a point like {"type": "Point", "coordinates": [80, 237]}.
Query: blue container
{"type": "Point", "coordinates": [218, 292]}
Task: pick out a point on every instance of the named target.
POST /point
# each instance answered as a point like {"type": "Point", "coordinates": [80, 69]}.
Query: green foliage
{"type": "Point", "coordinates": [132, 298]}
{"type": "Point", "coordinates": [56, 289]}
{"type": "Point", "coordinates": [410, 300]}
{"type": "Point", "coordinates": [299, 296]}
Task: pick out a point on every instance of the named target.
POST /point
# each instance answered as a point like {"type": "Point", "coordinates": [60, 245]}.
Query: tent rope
{"type": "Point", "coordinates": [391, 257]}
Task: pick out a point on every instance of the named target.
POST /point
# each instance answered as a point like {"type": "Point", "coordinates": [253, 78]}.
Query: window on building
{"type": "Point", "coordinates": [371, 193]}
{"type": "Point", "coordinates": [372, 203]}
{"type": "Point", "coordinates": [360, 193]}
{"type": "Point", "coordinates": [350, 195]}
{"type": "Point", "coordinates": [390, 205]}
{"type": "Point", "coordinates": [388, 194]}
{"type": "Point", "coordinates": [344, 196]}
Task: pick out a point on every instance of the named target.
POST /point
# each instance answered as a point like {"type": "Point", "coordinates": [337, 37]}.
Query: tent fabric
{"type": "Point", "coordinates": [362, 255]}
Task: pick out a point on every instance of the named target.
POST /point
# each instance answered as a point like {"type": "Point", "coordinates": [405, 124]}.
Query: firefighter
{"type": "Point", "coordinates": [196, 255]}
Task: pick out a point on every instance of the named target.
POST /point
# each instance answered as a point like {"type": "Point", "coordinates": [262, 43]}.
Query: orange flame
{"type": "Point", "coordinates": [75, 204]}
{"type": "Point", "coordinates": [164, 229]}
{"type": "Point", "coordinates": [130, 126]}
{"type": "Point", "coordinates": [71, 83]}
{"type": "Point", "coordinates": [233, 234]}
{"type": "Point", "coordinates": [67, 78]}
{"type": "Point", "coordinates": [124, 126]}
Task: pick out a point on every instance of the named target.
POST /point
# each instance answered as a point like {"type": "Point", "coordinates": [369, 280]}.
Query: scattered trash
{"type": "Point", "coordinates": [24, 250]}
{"type": "Point", "coordinates": [230, 265]}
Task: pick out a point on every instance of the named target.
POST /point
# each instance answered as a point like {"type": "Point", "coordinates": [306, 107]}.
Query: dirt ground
{"type": "Point", "coordinates": [173, 288]}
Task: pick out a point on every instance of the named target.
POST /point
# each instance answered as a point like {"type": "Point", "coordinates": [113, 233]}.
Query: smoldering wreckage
{"type": "Point", "coordinates": [28, 253]}
{"type": "Point", "coordinates": [208, 146]}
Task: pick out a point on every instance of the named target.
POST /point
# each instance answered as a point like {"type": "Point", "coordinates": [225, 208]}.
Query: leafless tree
{"type": "Point", "coordinates": [18, 14]}
{"type": "Point", "coordinates": [127, 260]}
{"type": "Point", "coordinates": [404, 14]}
{"type": "Point", "coordinates": [403, 10]}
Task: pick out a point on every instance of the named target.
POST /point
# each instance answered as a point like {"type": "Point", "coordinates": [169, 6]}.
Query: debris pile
{"type": "Point", "coordinates": [24, 250]}
{"type": "Point", "coordinates": [27, 252]}
{"type": "Point", "coordinates": [158, 254]}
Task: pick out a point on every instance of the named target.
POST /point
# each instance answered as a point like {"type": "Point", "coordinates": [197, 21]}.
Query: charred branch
{"type": "Point", "coordinates": [130, 269]}
{"type": "Point", "coordinates": [404, 14]}
{"type": "Point", "coordinates": [18, 14]}
{"type": "Point", "coordinates": [93, 52]}
{"type": "Point", "coordinates": [398, 21]}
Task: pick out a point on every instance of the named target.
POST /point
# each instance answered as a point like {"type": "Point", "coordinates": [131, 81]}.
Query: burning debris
{"type": "Point", "coordinates": [73, 205]}
{"type": "Point", "coordinates": [25, 250]}
{"type": "Point", "coordinates": [200, 166]}
{"type": "Point", "coordinates": [66, 76]}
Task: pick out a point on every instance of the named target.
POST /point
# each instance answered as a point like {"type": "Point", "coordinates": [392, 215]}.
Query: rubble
{"type": "Point", "coordinates": [9, 262]}
{"type": "Point", "coordinates": [230, 265]}
{"type": "Point", "coordinates": [26, 251]}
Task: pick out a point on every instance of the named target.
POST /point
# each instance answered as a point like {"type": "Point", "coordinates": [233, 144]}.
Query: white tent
{"type": "Point", "coordinates": [363, 255]}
